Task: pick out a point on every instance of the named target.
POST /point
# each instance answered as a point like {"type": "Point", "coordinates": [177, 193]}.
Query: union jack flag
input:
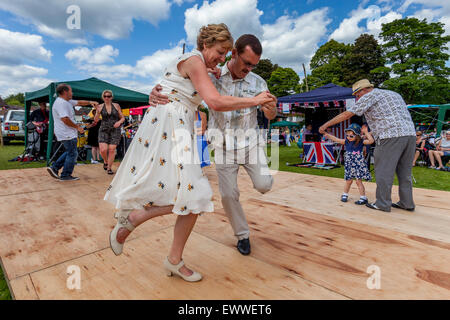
{"type": "Point", "coordinates": [319, 152]}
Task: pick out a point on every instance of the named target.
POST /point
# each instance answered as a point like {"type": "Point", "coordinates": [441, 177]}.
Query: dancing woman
{"type": "Point", "coordinates": [160, 173]}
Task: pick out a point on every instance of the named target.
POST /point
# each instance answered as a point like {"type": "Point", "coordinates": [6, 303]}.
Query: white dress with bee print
{"type": "Point", "coordinates": [162, 166]}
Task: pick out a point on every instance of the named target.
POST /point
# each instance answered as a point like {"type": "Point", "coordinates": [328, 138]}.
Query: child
{"type": "Point", "coordinates": [355, 165]}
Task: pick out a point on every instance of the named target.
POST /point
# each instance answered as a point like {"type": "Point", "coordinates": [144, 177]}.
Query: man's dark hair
{"type": "Point", "coordinates": [248, 40]}
{"type": "Point", "coordinates": [61, 88]}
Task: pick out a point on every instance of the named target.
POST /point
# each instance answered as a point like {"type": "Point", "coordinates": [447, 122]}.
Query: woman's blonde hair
{"type": "Point", "coordinates": [211, 34]}
{"type": "Point", "coordinates": [107, 91]}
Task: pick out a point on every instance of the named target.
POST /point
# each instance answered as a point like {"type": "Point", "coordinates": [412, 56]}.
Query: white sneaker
{"type": "Point", "coordinates": [94, 161]}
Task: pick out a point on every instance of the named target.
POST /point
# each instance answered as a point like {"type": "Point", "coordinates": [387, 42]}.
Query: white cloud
{"type": "Point", "coordinates": [153, 66]}
{"type": "Point", "coordinates": [111, 19]}
{"type": "Point", "coordinates": [98, 55]}
{"type": "Point", "coordinates": [150, 67]}
{"type": "Point", "coordinates": [241, 16]}
{"type": "Point", "coordinates": [17, 47]}
{"type": "Point", "coordinates": [432, 10]}
{"type": "Point", "coordinates": [16, 50]}
{"type": "Point", "coordinates": [21, 78]}
{"type": "Point", "coordinates": [374, 25]}
{"type": "Point", "coordinates": [291, 41]}
{"type": "Point", "coordinates": [350, 28]}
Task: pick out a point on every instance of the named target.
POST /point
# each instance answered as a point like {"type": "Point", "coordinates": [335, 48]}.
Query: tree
{"type": "Point", "coordinates": [283, 82]}
{"type": "Point", "coordinates": [365, 61]}
{"type": "Point", "coordinates": [15, 99]}
{"type": "Point", "coordinates": [265, 69]}
{"type": "Point", "coordinates": [416, 51]}
{"type": "Point", "coordinates": [326, 64]}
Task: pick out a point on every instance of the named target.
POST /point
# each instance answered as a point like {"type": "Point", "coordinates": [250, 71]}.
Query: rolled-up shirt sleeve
{"type": "Point", "coordinates": [361, 106]}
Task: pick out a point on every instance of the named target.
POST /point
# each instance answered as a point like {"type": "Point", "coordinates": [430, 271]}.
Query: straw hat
{"type": "Point", "coordinates": [361, 84]}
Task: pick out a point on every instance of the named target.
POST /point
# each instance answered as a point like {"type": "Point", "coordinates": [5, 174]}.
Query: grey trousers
{"type": "Point", "coordinates": [394, 156]}
{"type": "Point", "coordinates": [229, 191]}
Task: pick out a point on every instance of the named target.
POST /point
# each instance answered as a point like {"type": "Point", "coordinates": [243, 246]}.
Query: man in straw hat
{"type": "Point", "coordinates": [391, 124]}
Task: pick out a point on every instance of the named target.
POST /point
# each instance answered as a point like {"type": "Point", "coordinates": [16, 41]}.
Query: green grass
{"type": "Point", "coordinates": [425, 178]}
{"type": "Point", "coordinates": [13, 150]}
{"type": "Point", "coordinates": [4, 291]}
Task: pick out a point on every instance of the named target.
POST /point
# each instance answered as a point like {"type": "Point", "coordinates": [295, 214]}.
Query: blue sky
{"type": "Point", "coordinates": [129, 42]}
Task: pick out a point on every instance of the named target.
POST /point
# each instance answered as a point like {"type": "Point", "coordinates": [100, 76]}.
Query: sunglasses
{"type": "Point", "coordinates": [248, 64]}
{"type": "Point", "coordinates": [350, 136]}
{"type": "Point", "coordinates": [107, 96]}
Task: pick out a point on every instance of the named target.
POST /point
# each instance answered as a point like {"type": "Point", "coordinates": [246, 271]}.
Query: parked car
{"type": "Point", "coordinates": [13, 126]}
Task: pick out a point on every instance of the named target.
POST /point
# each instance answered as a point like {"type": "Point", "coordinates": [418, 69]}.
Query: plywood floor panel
{"type": "Point", "coordinates": [336, 253]}
{"type": "Point", "coordinates": [431, 223]}
{"type": "Point", "coordinates": [139, 274]}
{"type": "Point", "coordinates": [305, 243]}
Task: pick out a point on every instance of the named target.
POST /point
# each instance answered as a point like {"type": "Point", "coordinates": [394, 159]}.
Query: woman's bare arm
{"type": "Point", "coordinates": [195, 69]}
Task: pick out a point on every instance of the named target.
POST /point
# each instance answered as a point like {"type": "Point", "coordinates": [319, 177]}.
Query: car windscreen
{"type": "Point", "coordinates": [17, 116]}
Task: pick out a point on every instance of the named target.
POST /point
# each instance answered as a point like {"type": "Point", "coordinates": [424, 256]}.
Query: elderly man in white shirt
{"type": "Point", "coordinates": [393, 129]}
{"type": "Point", "coordinates": [235, 135]}
{"type": "Point", "coordinates": [66, 131]}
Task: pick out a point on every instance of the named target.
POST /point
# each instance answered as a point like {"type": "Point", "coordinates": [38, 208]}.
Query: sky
{"type": "Point", "coordinates": [129, 42]}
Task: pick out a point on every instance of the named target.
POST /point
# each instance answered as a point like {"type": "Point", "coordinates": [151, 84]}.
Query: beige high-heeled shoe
{"type": "Point", "coordinates": [122, 222]}
{"type": "Point", "coordinates": [174, 269]}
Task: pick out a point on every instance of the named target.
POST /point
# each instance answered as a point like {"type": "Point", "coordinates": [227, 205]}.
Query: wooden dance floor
{"type": "Point", "coordinates": [306, 244]}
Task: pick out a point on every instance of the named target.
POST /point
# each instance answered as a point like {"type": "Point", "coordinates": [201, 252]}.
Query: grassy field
{"type": "Point", "coordinates": [425, 178]}
{"type": "Point", "coordinates": [4, 291]}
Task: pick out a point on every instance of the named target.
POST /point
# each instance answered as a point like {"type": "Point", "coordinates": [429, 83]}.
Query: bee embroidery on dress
{"type": "Point", "coordinates": [180, 165]}
{"type": "Point", "coordinates": [192, 136]}
{"type": "Point", "coordinates": [168, 74]}
{"type": "Point", "coordinates": [148, 205]}
{"type": "Point", "coordinates": [178, 185]}
{"type": "Point", "coordinates": [176, 99]}
{"type": "Point", "coordinates": [133, 169]}
{"type": "Point", "coordinates": [161, 185]}
{"type": "Point", "coordinates": [109, 188]}
{"type": "Point", "coordinates": [170, 100]}
{"type": "Point", "coordinates": [194, 93]}
{"type": "Point", "coordinates": [164, 136]}
{"type": "Point", "coordinates": [148, 110]}
{"type": "Point", "coordinates": [173, 91]}
{"type": "Point", "coordinates": [162, 161]}
{"type": "Point", "coordinates": [181, 121]}
{"type": "Point", "coordinates": [187, 149]}
{"type": "Point", "coordinates": [183, 209]}
{"type": "Point", "coordinates": [190, 187]}
{"type": "Point", "coordinates": [185, 111]}
{"type": "Point", "coordinates": [151, 160]}
{"type": "Point", "coordinates": [140, 140]}
{"type": "Point", "coordinates": [146, 144]}
{"type": "Point", "coordinates": [154, 120]}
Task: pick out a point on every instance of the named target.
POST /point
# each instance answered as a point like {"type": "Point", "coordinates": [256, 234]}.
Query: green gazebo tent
{"type": "Point", "coordinates": [284, 124]}
{"type": "Point", "coordinates": [88, 89]}
{"type": "Point", "coordinates": [441, 116]}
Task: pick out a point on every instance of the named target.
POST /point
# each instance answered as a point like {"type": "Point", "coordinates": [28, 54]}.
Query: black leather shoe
{"type": "Point", "coordinates": [243, 246]}
{"type": "Point", "coordinates": [396, 205]}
